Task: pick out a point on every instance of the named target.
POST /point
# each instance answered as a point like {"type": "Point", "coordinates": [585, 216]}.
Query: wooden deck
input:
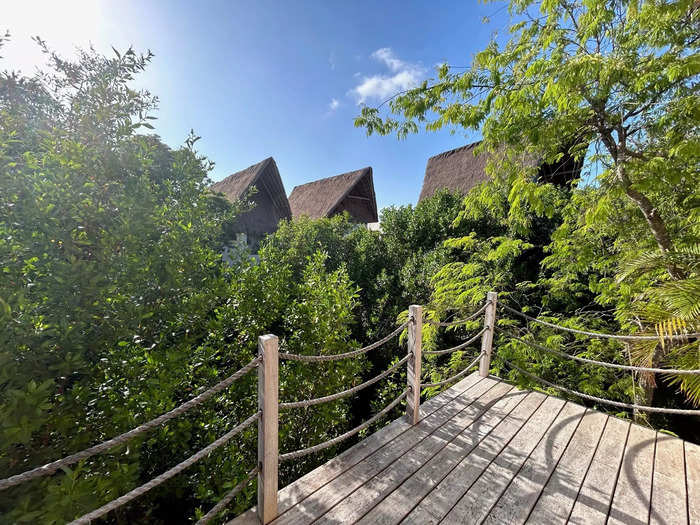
{"type": "Point", "coordinates": [486, 452]}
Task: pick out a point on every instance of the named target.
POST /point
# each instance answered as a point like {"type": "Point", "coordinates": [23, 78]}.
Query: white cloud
{"type": "Point", "coordinates": [386, 56]}
{"type": "Point", "coordinates": [334, 104]}
{"type": "Point", "coordinates": [402, 75]}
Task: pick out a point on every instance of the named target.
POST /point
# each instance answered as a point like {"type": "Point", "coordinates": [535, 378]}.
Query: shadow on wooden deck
{"type": "Point", "coordinates": [486, 452]}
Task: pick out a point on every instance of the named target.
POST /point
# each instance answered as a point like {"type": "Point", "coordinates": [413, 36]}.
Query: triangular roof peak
{"type": "Point", "coordinates": [326, 197]}
{"type": "Point", "coordinates": [236, 185]}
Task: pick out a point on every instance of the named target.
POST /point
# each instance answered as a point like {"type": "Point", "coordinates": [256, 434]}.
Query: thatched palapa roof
{"type": "Point", "coordinates": [352, 192]}
{"type": "Point", "coordinates": [457, 170]}
{"type": "Point", "coordinates": [265, 177]}
{"type": "Point", "coordinates": [270, 199]}
{"type": "Point", "coordinates": [460, 170]}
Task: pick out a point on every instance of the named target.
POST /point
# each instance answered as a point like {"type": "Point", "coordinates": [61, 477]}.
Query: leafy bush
{"type": "Point", "coordinates": [115, 305]}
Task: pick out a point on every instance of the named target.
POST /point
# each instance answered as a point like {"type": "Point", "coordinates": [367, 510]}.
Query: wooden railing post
{"type": "Point", "coordinates": [268, 447]}
{"type": "Point", "coordinates": [487, 338]}
{"type": "Point", "coordinates": [415, 341]}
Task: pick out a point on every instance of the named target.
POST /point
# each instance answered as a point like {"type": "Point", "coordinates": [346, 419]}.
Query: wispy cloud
{"type": "Point", "coordinates": [331, 108]}
{"type": "Point", "coordinates": [402, 75]}
{"type": "Point", "coordinates": [387, 57]}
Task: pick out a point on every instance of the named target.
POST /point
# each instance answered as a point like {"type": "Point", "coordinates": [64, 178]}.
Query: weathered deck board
{"type": "Point", "coordinates": [692, 476]}
{"type": "Point", "coordinates": [525, 488]}
{"type": "Point", "coordinates": [631, 501]}
{"type": "Point", "coordinates": [357, 504]}
{"type": "Point", "coordinates": [668, 504]}
{"type": "Point", "coordinates": [441, 500]}
{"type": "Point", "coordinates": [560, 492]}
{"type": "Point", "coordinates": [326, 497]}
{"type": "Point", "coordinates": [593, 500]}
{"type": "Point", "coordinates": [485, 452]}
{"type": "Point", "coordinates": [493, 481]}
{"type": "Point", "coordinates": [396, 505]}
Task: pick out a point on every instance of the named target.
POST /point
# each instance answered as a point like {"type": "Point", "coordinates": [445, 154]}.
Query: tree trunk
{"type": "Point", "coordinates": [649, 388]}
{"type": "Point", "coordinates": [652, 216]}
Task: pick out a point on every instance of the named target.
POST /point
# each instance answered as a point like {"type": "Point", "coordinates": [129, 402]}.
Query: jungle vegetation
{"type": "Point", "coordinates": [115, 305]}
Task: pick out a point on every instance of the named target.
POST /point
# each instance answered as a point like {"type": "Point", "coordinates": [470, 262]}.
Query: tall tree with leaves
{"type": "Point", "coordinates": [115, 306]}
{"type": "Point", "coordinates": [618, 75]}
{"type": "Point", "coordinates": [614, 82]}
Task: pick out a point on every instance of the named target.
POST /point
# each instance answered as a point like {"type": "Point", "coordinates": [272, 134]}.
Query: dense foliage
{"type": "Point", "coordinates": [391, 270]}
{"type": "Point", "coordinates": [115, 305]}
{"type": "Point", "coordinates": [613, 84]}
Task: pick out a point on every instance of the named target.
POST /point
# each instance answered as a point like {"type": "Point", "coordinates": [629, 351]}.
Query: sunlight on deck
{"type": "Point", "coordinates": [486, 452]}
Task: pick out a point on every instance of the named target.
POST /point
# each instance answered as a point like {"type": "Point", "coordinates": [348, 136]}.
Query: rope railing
{"type": "Point", "coordinates": [673, 371]}
{"type": "Point", "coordinates": [52, 467]}
{"type": "Point", "coordinates": [458, 347]}
{"type": "Point", "coordinates": [346, 435]}
{"type": "Point", "coordinates": [454, 377]}
{"type": "Point", "coordinates": [335, 357]}
{"type": "Point", "coordinates": [344, 393]}
{"type": "Point", "coordinates": [460, 321]}
{"type": "Point", "coordinates": [267, 364]}
{"type": "Point", "coordinates": [135, 493]}
{"type": "Point", "coordinates": [629, 406]}
{"type": "Point", "coordinates": [223, 502]}
{"type": "Point", "coordinates": [680, 337]}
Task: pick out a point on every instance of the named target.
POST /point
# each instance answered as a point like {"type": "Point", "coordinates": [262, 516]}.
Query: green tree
{"type": "Point", "coordinates": [391, 269]}
{"type": "Point", "coordinates": [108, 243]}
{"type": "Point", "coordinates": [609, 81]}
{"type": "Point", "coordinates": [116, 307]}
{"type": "Point", "coordinates": [619, 76]}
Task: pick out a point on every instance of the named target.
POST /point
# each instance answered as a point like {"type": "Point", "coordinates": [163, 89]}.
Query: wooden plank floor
{"type": "Point", "coordinates": [486, 452]}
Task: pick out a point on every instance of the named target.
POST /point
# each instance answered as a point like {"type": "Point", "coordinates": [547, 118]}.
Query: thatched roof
{"type": "Point", "coordinates": [457, 170]}
{"type": "Point", "coordinates": [352, 192]}
{"type": "Point", "coordinates": [265, 177]}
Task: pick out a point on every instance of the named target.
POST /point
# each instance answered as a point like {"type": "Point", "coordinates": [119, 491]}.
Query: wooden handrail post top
{"type": "Point", "coordinates": [487, 337]}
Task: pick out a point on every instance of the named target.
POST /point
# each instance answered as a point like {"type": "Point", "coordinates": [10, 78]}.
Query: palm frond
{"type": "Point", "coordinates": [687, 258]}
{"type": "Point", "coordinates": [687, 357]}
{"type": "Point", "coordinates": [680, 298]}
{"type": "Point", "coordinates": [672, 307]}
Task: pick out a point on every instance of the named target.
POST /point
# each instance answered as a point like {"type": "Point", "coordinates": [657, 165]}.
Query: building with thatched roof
{"type": "Point", "coordinates": [457, 170]}
{"type": "Point", "coordinates": [269, 199]}
{"type": "Point", "coordinates": [460, 170]}
{"type": "Point", "coordinates": [352, 192]}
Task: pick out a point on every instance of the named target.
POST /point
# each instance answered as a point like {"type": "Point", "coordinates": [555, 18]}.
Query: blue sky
{"type": "Point", "coordinates": [282, 78]}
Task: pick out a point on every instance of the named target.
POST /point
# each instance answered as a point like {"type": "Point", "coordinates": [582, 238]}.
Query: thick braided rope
{"type": "Point", "coordinates": [459, 321]}
{"type": "Point", "coordinates": [121, 500]}
{"type": "Point", "coordinates": [342, 437]}
{"type": "Point", "coordinates": [676, 371]}
{"type": "Point", "coordinates": [629, 406]}
{"type": "Point", "coordinates": [344, 393]}
{"type": "Point", "coordinates": [458, 347]}
{"type": "Point", "coordinates": [52, 467]}
{"type": "Point", "coordinates": [359, 351]}
{"type": "Point", "coordinates": [456, 376]}
{"type": "Point", "coordinates": [227, 498]}
{"type": "Point", "coordinates": [600, 334]}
